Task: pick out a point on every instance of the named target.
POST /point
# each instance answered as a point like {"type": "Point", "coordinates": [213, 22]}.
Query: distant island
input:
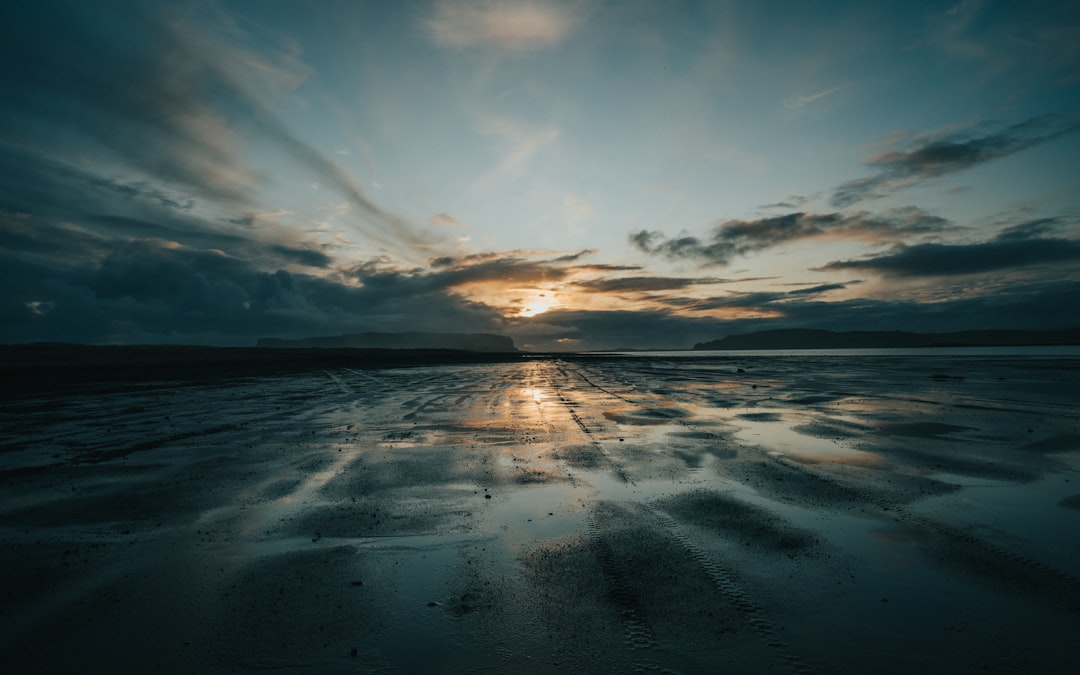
{"type": "Point", "coordinates": [473, 342]}
{"type": "Point", "coordinates": [799, 338]}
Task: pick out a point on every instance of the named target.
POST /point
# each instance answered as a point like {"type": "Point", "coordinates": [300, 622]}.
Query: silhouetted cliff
{"type": "Point", "coordinates": [473, 342]}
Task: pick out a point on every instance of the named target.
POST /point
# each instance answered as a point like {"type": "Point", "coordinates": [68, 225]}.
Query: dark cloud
{"type": "Point", "coordinates": [26, 235]}
{"type": "Point", "coordinates": [645, 284]}
{"type": "Point", "coordinates": [138, 91]}
{"type": "Point", "coordinates": [457, 261]}
{"type": "Point", "coordinates": [605, 267]}
{"type": "Point", "coordinates": [519, 254]}
{"type": "Point", "coordinates": [943, 260]}
{"type": "Point", "coordinates": [646, 240]}
{"type": "Point", "coordinates": [58, 201]}
{"type": "Point", "coordinates": [573, 257]}
{"type": "Point", "coordinates": [122, 225]}
{"type": "Point", "coordinates": [821, 288]}
{"type": "Point", "coordinates": [790, 203]}
{"type": "Point", "coordinates": [142, 89]}
{"type": "Point", "coordinates": [756, 301]}
{"type": "Point", "coordinates": [1032, 229]}
{"type": "Point", "coordinates": [142, 190]}
{"type": "Point", "coordinates": [739, 237]}
{"type": "Point", "coordinates": [85, 261]}
{"type": "Point", "coordinates": [508, 270]}
{"type": "Point", "coordinates": [935, 157]}
{"type": "Point", "coordinates": [154, 291]}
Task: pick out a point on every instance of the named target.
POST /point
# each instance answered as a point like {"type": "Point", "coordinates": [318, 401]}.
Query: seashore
{"type": "Point", "coordinates": [546, 514]}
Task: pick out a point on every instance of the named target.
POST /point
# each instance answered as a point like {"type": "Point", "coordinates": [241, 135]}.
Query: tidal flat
{"type": "Point", "coordinates": [652, 513]}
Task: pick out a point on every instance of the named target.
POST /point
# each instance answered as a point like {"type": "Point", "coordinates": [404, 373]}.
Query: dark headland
{"type": "Point", "coordinates": [473, 342]}
{"type": "Point", "coordinates": [827, 339]}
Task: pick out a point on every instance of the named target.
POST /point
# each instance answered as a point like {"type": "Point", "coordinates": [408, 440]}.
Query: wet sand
{"type": "Point", "coordinates": [695, 514]}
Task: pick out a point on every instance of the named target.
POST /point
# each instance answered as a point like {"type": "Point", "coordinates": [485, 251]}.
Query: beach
{"type": "Point", "coordinates": [691, 513]}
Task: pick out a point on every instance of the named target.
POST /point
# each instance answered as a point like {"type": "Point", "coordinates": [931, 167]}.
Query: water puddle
{"type": "Point", "coordinates": [772, 430]}
{"type": "Point", "coordinates": [525, 515]}
{"type": "Point", "coordinates": [1025, 516]}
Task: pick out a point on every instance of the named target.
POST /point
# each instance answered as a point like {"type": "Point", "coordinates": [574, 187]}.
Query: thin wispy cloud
{"type": "Point", "coordinates": [507, 24]}
{"type": "Point", "coordinates": [445, 219]}
{"type": "Point", "coordinates": [790, 202]}
{"type": "Point", "coordinates": [638, 284]}
{"type": "Point", "coordinates": [735, 238]}
{"type": "Point", "coordinates": [174, 115]}
{"type": "Point", "coordinates": [937, 156]}
{"type": "Point", "coordinates": [577, 209]}
{"type": "Point", "coordinates": [517, 145]}
{"type": "Point", "coordinates": [796, 102]}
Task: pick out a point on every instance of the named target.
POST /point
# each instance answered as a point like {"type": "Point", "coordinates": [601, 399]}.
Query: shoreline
{"type": "Point", "coordinates": [29, 368]}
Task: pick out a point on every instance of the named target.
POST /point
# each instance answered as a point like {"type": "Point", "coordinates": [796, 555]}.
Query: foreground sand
{"type": "Point", "coordinates": [738, 514]}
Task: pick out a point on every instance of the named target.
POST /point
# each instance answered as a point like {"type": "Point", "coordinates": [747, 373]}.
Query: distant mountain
{"type": "Point", "coordinates": [473, 342]}
{"type": "Point", "coordinates": [798, 338]}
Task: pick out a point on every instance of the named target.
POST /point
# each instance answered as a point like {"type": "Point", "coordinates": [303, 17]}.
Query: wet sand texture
{"type": "Point", "coordinates": [546, 515]}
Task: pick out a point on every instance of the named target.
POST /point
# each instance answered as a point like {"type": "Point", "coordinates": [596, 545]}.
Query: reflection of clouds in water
{"type": "Point", "coordinates": [776, 431]}
{"type": "Point", "coordinates": [646, 416]}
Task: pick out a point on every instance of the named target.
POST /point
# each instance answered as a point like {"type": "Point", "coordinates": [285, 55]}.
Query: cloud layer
{"type": "Point", "coordinates": [734, 238]}
{"type": "Point", "coordinates": [1020, 246]}
{"type": "Point", "coordinates": [166, 101]}
{"type": "Point", "coordinates": [509, 24]}
{"type": "Point", "coordinates": [933, 157]}
{"type": "Point", "coordinates": [189, 174]}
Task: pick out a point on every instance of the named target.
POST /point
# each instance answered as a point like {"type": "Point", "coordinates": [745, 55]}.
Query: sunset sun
{"type": "Point", "coordinates": [538, 304]}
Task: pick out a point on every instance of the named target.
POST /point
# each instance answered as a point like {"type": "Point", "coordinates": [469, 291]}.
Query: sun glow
{"type": "Point", "coordinates": [538, 304]}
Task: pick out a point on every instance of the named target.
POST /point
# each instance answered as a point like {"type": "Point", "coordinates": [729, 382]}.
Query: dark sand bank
{"type": "Point", "coordinates": [732, 514]}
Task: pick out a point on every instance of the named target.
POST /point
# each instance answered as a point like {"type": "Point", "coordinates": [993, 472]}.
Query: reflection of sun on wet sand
{"type": "Point", "coordinates": [572, 514]}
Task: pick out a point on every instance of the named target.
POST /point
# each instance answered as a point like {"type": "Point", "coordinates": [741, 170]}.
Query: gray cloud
{"type": "Point", "coordinates": [573, 257]}
{"type": "Point", "coordinates": [154, 291]}
{"type": "Point", "coordinates": [821, 288]}
{"type": "Point", "coordinates": [57, 200]}
{"type": "Point", "coordinates": [739, 237]}
{"type": "Point", "coordinates": [606, 267]}
{"type": "Point", "coordinates": [791, 202]}
{"type": "Point", "coordinates": [943, 260]}
{"type": "Point", "coordinates": [935, 157]}
{"type": "Point", "coordinates": [758, 301]}
{"type": "Point", "coordinates": [509, 269]}
{"type": "Point", "coordinates": [141, 95]}
{"type": "Point", "coordinates": [1031, 229]}
{"type": "Point", "coordinates": [645, 284]}
{"type": "Point", "coordinates": [136, 85]}
{"type": "Point", "coordinates": [519, 256]}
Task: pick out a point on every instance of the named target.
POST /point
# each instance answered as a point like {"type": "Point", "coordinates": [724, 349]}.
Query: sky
{"type": "Point", "coordinates": [576, 174]}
